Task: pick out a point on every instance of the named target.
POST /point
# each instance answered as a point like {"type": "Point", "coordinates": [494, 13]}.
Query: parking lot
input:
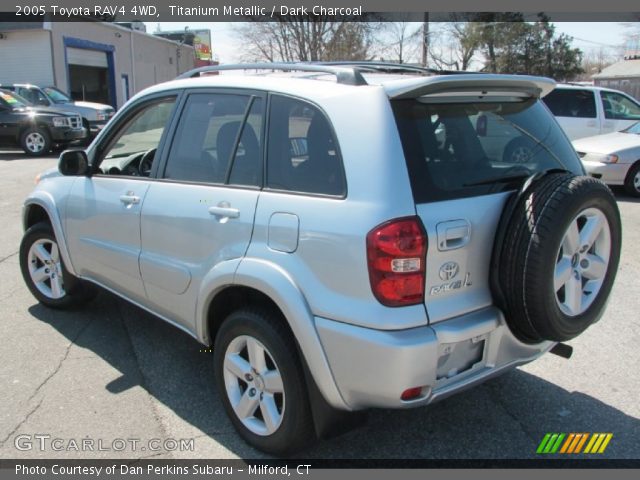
{"type": "Point", "coordinates": [111, 371]}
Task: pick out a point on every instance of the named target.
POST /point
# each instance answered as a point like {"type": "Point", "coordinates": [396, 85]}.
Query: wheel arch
{"type": "Point", "coordinates": [632, 165]}
{"type": "Point", "coordinates": [263, 283]}
{"type": "Point", "coordinates": [39, 207]}
{"type": "Point", "coordinates": [29, 125]}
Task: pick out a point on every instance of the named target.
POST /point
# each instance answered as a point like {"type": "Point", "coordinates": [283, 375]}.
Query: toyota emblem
{"type": "Point", "coordinates": [448, 271]}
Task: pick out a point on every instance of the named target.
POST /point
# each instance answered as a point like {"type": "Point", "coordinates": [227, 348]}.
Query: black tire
{"type": "Point", "coordinates": [632, 181]}
{"type": "Point", "coordinates": [89, 138]}
{"type": "Point", "coordinates": [532, 247]}
{"type": "Point", "coordinates": [295, 430]}
{"type": "Point", "coordinates": [59, 147]}
{"type": "Point", "coordinates": [75, 291]}
{"type": "Point", "coordinates": [35, 141]}
{"type": "Point", "coordinates": [518, 151]}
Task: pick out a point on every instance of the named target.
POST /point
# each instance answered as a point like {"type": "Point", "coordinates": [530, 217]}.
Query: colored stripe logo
{"type": "Point", "coordinates": [573, 443]}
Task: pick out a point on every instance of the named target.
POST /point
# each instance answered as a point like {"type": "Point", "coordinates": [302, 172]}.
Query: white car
{"type": "Point", "coordinates": [614, 158]}
{"type": "Point", "coordinates": [583, 110]}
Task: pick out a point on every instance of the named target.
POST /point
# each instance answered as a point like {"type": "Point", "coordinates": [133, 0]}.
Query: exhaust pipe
{"type": "Point", "coordinates": [562, 350]}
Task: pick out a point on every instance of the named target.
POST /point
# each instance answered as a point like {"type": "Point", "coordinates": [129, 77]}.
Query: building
{"type": "Point", "coordinates": [94, 61]}
{"type": "Point", "coordinates": [199, 39]}
{"type": "Point", "coordinates": [624, 75]}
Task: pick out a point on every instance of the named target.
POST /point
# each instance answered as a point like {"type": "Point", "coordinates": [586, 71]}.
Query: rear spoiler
{"type": "Point", "coordinates": [471, 83]}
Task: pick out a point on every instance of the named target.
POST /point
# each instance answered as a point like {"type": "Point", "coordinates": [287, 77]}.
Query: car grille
{"type": "Point", "coordinates": [75, 121]}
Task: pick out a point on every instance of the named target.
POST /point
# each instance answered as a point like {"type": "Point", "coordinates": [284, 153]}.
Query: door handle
{"type": "Point", "coordinates": [129, 199]}
{"type": "Point", "coordinates": [591, 123]}
{"type": "Point", "coordinates": [453, 234]}
{"type": "Point", "coordinates": [224, 210]}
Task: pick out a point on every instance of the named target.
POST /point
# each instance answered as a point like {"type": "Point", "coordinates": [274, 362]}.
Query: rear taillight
{"type": "Point", "coordinates": [396, 254]}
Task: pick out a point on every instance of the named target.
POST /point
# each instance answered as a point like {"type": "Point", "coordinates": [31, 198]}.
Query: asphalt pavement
{"type": "Point", "coordinates": [111, 374]}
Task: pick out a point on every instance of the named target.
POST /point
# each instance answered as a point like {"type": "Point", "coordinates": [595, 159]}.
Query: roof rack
{"type": "Point", "coordinates": [344, 75]}
{"type": "Point", "coordinates": [386, 67]}
{"type": "Point", "coordinates": [390, 67]}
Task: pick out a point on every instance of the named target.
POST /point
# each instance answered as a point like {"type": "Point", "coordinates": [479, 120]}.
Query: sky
{"type": "Point", "coordinates": [588, 36]}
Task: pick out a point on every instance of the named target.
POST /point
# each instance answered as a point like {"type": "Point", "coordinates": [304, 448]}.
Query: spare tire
{"type": "Point", "coordinates": [559, 257]}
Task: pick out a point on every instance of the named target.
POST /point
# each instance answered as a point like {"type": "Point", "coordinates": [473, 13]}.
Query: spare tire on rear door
{"type": "Point", "coordinates": [559, 257]}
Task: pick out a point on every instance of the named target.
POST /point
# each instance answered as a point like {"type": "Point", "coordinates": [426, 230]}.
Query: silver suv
{"type": "Point", "coordinates": [343, 236]}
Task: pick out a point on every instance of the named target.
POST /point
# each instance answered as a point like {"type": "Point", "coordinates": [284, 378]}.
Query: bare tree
{"type": "Point", "coordinates": [307, 40]}
{"type": "Point", "coordinates": [454, 44]}
{"type": "Point", "coordinates": [398, 42]}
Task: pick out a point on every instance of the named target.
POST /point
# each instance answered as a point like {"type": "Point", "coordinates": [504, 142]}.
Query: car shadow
{"type": "Point", "coordinates": [505, 418]}
{"type": "Point", "coordinates": [622, 196]}
{"type": "Point", "coordinates": [10, 156]}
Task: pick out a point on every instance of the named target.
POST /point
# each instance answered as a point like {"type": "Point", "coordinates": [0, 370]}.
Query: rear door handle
{"type": "Point", "coordinates": [224, 210]}
{"type": "Point", "coordinates": [453, 234]}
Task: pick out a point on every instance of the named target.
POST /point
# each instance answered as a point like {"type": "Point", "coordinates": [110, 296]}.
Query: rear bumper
{"type": "Point", "coordinates": [372, 368]}
{"type": "Point", "coordinates": [609, 173]}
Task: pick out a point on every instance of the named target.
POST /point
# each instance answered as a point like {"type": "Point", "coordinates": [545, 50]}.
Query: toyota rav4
{"type": "Point", "coordinates": [344, 236]}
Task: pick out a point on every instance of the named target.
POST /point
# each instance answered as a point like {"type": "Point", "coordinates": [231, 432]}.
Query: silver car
{"type": "Point", "coordinates": [336, 233]}
{"type": "Point", "coordinates": [614, 158]}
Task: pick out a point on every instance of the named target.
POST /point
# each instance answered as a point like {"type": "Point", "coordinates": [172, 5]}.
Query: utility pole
{"type": "Point", "coordinates": [425, 39]}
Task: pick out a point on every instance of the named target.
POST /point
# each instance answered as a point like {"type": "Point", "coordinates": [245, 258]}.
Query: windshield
{"type": "Point", "coordinates": [635, 128]}
{"type": "Point", "coordinates": [57, 96]}
{"type": "Point", "coordinates": [456, 150]}
{"type": "Point", "coordinates": [13, 100]}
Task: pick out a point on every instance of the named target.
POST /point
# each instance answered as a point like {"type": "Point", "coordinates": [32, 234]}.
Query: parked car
{"type": "Point", "coordinates": [342, 245]}
{"type": "Point", "coordinates": [585, 111]}
{"type": "Point", "coordinates": [614, 158]}
{"type": "Point", "coordinates": [36, 130]}
{"type": "Point", "coordinates": [94, 115]}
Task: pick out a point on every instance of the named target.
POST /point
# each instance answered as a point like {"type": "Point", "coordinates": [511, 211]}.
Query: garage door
{"type": "Point", "coordinates": [34, 45]}
{"type": "Point", "coordinates": [89, 58]}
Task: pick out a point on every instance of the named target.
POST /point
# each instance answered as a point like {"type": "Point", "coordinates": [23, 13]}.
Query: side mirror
{"type": "Point", "coordinates": [42, 101]}
{"type": "Point", "coordinates": [73, 163]}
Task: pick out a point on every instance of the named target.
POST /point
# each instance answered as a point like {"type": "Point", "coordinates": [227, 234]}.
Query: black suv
{"type": "Point", "coordinates": [36, 129]}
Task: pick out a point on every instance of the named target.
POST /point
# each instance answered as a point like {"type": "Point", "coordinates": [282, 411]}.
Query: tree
{"type": "Point", "coordinates": [399, 42]}
{"type": "Point", "coordinates": [308, 40]}
{"type": "Point", "coordinates": [511, 45]}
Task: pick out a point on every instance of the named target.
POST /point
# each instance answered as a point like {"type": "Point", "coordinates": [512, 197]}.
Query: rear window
{"type": "Point", "coordinates": [468, 149]}
{"type": "Point", "coordinates": [571, 103]}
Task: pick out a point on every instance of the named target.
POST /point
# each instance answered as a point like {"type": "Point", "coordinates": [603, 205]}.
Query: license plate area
{"type": "Point", "coordinates": [459, 357]}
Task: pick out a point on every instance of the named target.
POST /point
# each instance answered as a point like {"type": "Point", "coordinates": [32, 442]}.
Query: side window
{"type": "Point", "coordinates": [302, 154]}
{"type": "Point", "coordinates": [564, 102]}
{"type": "Point", "coordinates": [206, 137]}
{"type": "Point", "coordinates": [34, 95]}
{"type": "Point", "coordinates": [619, 107]}
{"type": "Point", "coordinates": [132, 150]}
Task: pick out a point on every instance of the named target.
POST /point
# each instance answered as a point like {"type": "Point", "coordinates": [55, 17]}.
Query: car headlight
{"type": "Point", "coordinates": [609, 159]}
{"type": "Point", "coordinates": [60, 122]}
{"type": "Point", "coordinates": [102, 116]}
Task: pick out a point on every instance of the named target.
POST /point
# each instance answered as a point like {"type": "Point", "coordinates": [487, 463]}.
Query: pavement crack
{"type": "Point", "coordinates": [22, 422]}
{"type": "Point", "coordinates": [64, 357]}
{"type": "Point", "coordinates": [8, 256]}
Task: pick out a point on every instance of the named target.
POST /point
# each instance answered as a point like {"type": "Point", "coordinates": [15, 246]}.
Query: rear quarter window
{"type": "Point", "coordinates": [302, 154]}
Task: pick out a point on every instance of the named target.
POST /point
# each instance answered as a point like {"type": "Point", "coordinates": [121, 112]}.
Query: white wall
{"type": "Point", "coordinates": [25, 57]}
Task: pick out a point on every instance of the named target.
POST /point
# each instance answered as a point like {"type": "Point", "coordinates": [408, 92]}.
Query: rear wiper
{"type": "Point", "coordinates": [504, 179]}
